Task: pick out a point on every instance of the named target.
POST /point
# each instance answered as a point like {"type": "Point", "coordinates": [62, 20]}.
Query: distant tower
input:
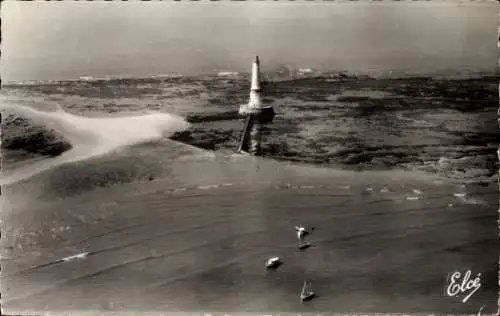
{"type": "Point", "coordinates": [255, 114]}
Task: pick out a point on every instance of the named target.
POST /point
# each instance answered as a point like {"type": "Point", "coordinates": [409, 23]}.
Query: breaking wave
{"type": "Point", "coordinates": [73, 138]}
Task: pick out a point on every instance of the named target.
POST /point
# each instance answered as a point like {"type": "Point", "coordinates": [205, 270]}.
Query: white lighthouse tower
{"type": "Point", "coordinates": [255, 114]}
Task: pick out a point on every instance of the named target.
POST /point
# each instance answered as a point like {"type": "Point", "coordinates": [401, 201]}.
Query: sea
{"type": "Point", "coordinates": [138, 179]}
{"type": "Point", "coordinates": [438, 125]}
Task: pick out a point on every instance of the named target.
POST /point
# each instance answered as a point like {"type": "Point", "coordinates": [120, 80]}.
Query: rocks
{"type": "Point", "coordinates": [21, 134]}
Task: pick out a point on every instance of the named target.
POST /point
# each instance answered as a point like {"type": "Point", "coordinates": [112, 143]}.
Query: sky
{"type": "Point", "coordinates": [69, 39]}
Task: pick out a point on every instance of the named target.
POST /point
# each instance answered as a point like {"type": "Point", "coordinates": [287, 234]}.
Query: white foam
{"type": "Point", "coordinates": [307, 187]}
{"type": "Point", "coordinates": [91, 136]}
{"type": "Point", "coordinates": [202, 155]}
{"type": "Point", "coordinates": [78, 256]}
{"type": "Point", "coordinates": [227, 73]}
{"type": "Point", "coordinates": [468, 200]}
{"type": "Point", "coordinates": [208, 187]}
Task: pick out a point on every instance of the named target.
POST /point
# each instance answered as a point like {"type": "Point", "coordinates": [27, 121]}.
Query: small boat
{"type": "Point", "coordinates": [301, 232]}
{"type": "Point", "coordinates": [273, 262]}
{"type": "Point", "coordinates": [304, 245]}
{"type": "Point", "coordinates": [306, 294]}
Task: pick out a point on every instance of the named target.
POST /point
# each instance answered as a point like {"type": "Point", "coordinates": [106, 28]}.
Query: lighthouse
{"type": "Point", "coordinates": [255, 114]}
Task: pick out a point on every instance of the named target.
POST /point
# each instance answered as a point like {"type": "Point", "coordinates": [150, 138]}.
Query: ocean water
{"type": "Point", "coordinates": [441, 126]}
{"type": "Point", "coordinates": [140, 175]}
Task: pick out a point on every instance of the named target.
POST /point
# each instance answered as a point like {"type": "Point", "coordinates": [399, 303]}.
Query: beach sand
{"type": "Point", "coordinates": [197, 241]}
